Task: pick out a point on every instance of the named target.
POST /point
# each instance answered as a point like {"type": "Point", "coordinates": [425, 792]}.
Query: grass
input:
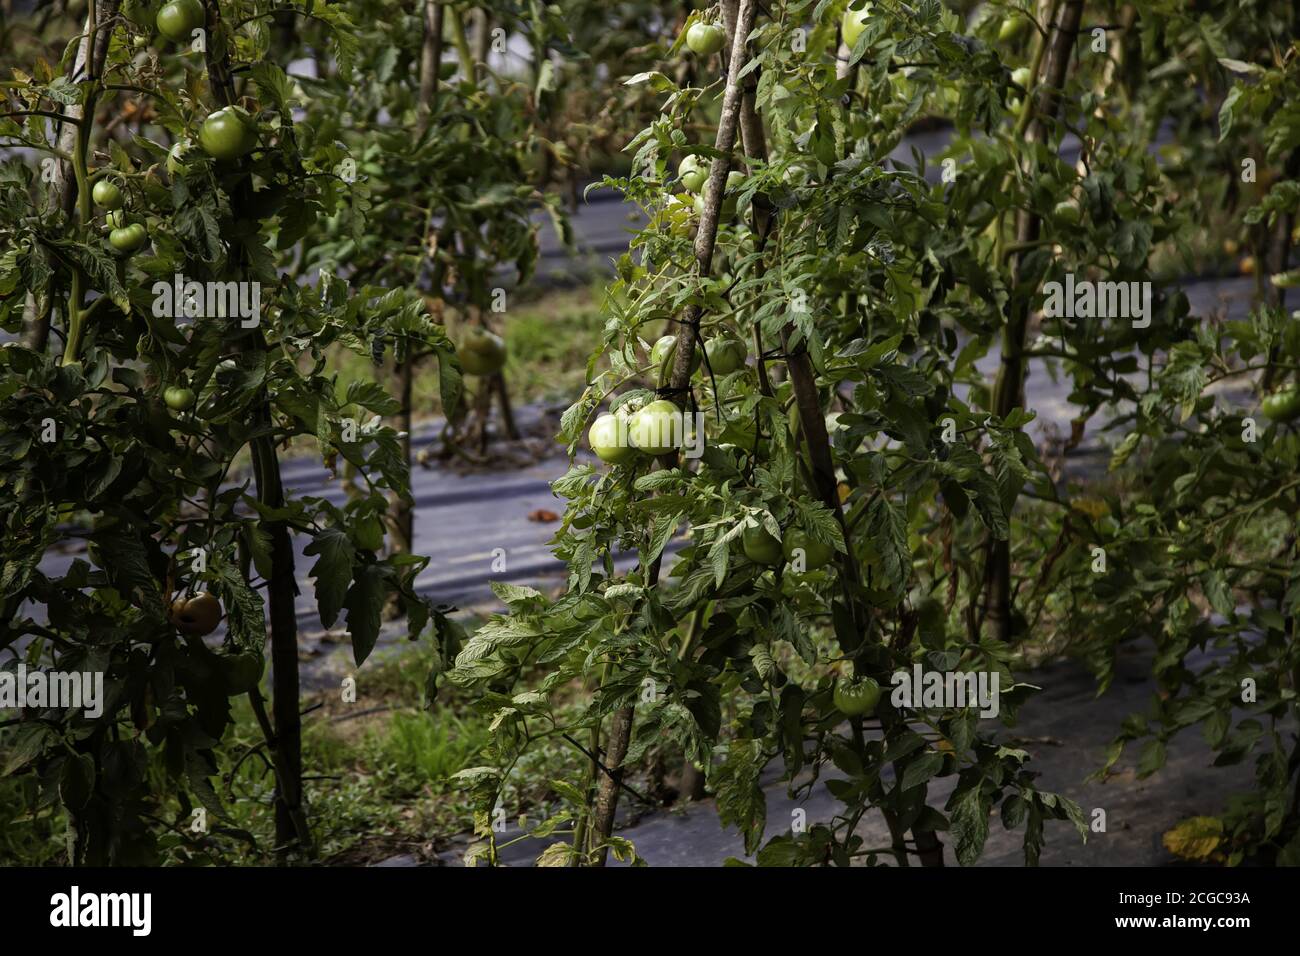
{"type": "Point", "coordinates": [549, 340]}
{"type": "Point", "coordinates": [29, 839]}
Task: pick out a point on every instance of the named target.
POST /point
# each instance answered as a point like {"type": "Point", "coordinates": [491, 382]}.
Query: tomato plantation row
{"type": "Point", "coordinates": [852, 496]}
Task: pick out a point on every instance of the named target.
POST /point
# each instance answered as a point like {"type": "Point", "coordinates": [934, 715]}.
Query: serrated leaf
{"type": "Point", "coordinates": [332, 571]}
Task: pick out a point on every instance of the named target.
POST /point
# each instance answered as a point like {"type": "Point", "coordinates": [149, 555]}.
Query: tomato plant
{"type": "Point", "coordinates": [711, 636]}
{"type": "Point", "coordinates": [182, 539]}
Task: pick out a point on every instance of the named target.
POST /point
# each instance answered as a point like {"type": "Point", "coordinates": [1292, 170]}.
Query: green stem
{"type": "Point", "coordinates": [462, 45]}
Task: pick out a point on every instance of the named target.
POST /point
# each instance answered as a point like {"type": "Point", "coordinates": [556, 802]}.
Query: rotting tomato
{"type": "Point", "coordinates": [198, 615]}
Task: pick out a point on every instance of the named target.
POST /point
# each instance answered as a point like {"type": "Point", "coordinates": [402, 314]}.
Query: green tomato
{"type": "Point", "coordinates": [1283, 405]}
{"type": "Point", "coordinates": [734, 182]}
{"type": "Point", "coordinates": [481, 352]}
{"type": "Point", "coordinates": [760, 547]}
{"type": "Point", "coordinates": [116, 219]}
{"type": "Point", "coordinates": [705, 39]}
{"type": "Point", "coordinates": [128, 238]}
{"type": "Point", "coordinates": [609, 439]}
{"type": "Point", "coordinates": [107, 194]}
{"type": "Point", "coordinates": [1012, 26]}
{"type": "Point", "coordinates": [657, 428]}
{"type": "Point", "coordinates": [693, 171]}
{"type": "Point", "coordinates": [857, 699]}
{"type": "Point", "coordinates": [855, 21]}
{"type": "Point", "coordinates": [665, 350]}
{"type": "Point", "coordinates": [1021, 76]}
{"type": "Point", "coordinates": [726, 354]}
{"type": "Point", "coordinates": [228, 133]}
{"type": "Point", "coordinates": [178, 398]}
{"type": "Point", "coordinates": [178, 19]}
{"type": "Point", "coordinates": [813, 553]}
{"type": "Point", "coordinates": [1067, 210]}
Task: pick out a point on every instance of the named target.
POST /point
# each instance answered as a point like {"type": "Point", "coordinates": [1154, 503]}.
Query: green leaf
{"type": "Point", "coordinates": [970, 824]}
{"type": "Point", "coordinates": [365, 605]}
{"type": "Point", "coordinates": [332, 571]}
{"type": "Point", "coordinates": [514, 594]}
{"type": "Point", "coordinates": [922, 769]}
{"type": "Point", "coordinates": [740, 798]}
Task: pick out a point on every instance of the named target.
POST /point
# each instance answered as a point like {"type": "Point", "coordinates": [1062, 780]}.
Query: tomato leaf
{"type": "Point", "coordinates": [332, 571]}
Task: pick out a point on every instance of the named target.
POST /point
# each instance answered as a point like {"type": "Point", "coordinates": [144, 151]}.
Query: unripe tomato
{"type": "Point", "coordinates": [178, 398]}
{"type": "Point", "coordinates": [1021, 76]}
{"type": "Point", "coordinates": [228, 133]}
{"type": "Point", "coordinates": [1067, 210]}
{"type": "Point", "coordinates": [198, 615]}
{"type": "Point", "coordinates": [1012, 27]}
{"type": "Point", "coordinates": [857, 699]}
{"type": "Point", "coordinates": [815, 554]}
{"type": "Point", "coordinates": [116, 219]}
{"type": "Point", "coordinates": [107, 194]}
{"type": "Point", "coordinates": [760, 547]}
{"type": "Point", "coordinates": [693, 171]}
{"type": "Point", "coordinates": [665, 351]}
{"type": "Point", "coordinates": [1283, 405]}
{"type": "Point", "coordinates": [728, 208]}
{"type": "Point", "coordinates": [178, 19]}
{"type": "Point", "coordinates": [657, 428]}
{"type": "Point", "coordinates": [607, 442]}
{"type": "Point", "coordinates": [855, 21]}
{"type": "Point", "coordinates": [726, 354]}
{"type": "Point", "coordinates": [705, 39]}
{"type": "Point", "coordinates": [481, 352]}
{"type": "Point", "coordinates": [128, 238]}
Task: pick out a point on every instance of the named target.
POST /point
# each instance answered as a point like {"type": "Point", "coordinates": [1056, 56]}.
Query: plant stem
{"type": "Point", "coordinates": [1008, 388]}
{"type": "Point", "coordinates": [687, 333]}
